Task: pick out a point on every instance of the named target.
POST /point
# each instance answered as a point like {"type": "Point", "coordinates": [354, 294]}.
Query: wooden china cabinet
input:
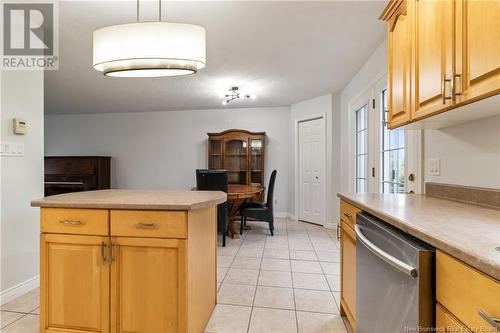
{"type": "Point", "coordinates": [241, 153]}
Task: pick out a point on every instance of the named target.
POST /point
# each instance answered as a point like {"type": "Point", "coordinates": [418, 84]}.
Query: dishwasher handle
{"type": "Point", "coordinates": [391, 260]}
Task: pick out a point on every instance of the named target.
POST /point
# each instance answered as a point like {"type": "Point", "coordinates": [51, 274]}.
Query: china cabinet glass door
{"type": "Point", "coordinates": [215, 155]}
{"type": "Point", "coordinates": [256, 161]}
{"type": "Point", "coordinates": [235, 161]}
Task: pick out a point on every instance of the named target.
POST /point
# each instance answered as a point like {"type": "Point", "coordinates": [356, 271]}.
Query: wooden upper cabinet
{"type": "Point", "coordinates": [433, 57]}
{"type": "Point", "coordinates": [148, 279]}
{"type": "Point", "coordinates": [442, 54]}
{"type": "Point", "coordinates": [75, 284]}
{"type": "Point", "coordinates": [399, 51]}
{"type": "Point", "coordinates": [477, 73]}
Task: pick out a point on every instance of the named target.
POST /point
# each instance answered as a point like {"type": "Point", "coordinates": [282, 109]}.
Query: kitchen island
{"type": "Point", "coordinates": [128, 261]}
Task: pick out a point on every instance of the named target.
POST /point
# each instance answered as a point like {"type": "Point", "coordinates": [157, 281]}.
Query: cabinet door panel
{"type": "Point", "coordinates": [348, 271]}
{"type": "Point", "coordinates": [478, 49]}
{"type": "Point", "coordinates": [75, 284]}
{"type": "Point", "coordinates": [148, 285]}
{"type": "Point", "coordinates": [434, 56]}
{"type": "Point", "coordinates": [399, 66]}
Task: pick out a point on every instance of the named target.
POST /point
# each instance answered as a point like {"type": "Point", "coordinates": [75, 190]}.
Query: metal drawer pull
{"type": "Point", "coordinates": [494, 322]}
{"type": "Point", "coordinates": [103, 251]}
{"type": "Point", "coordinates": [71, 222]}
{"type": "Point", "coordinates": [393, 261]}
{"type": "Point", "coordinates": [347, 215]}
{"type": "Point", "coordinates": [146, 225]}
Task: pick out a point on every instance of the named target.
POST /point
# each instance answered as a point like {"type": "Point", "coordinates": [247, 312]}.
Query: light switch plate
{"type": "Point", "coordinates": [434, 166]}
{"type": "Point", "coordinates": [11, 149]}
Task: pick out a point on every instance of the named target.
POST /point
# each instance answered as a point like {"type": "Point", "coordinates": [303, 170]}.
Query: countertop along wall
{"type": "Point", "coordinates": [161, 150]}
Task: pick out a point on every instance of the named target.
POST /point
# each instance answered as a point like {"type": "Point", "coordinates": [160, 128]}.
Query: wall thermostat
{"type": "Point", "coordinates": [20, 126]}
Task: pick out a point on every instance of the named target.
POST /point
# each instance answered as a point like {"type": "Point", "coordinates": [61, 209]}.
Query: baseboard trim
{"type": "Point", "coordinates": [19, 290]}
{"type": "Point", "coordinates": [282, 215]}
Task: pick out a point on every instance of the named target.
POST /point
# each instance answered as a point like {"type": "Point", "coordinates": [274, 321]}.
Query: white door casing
{"type": "Point", "coordinates": [413, 141]}
{"type": "Point", "coordinates": [312, 160]}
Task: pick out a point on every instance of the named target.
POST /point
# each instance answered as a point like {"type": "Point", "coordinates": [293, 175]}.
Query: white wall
{"type": "Point", "coordinates": [21, 182]}
{"type": "Point", "coordinates": [469, 153]}
{"type": "Point", "coordinates": [374, 69]}
{"type": "Point", "coordinates": [327, 106]}
{"type": "Point", "coordinates": [161, 150]}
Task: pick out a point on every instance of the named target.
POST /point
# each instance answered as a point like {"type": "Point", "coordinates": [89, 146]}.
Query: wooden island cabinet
{"type": "Point", "coordinates": [128, 261]}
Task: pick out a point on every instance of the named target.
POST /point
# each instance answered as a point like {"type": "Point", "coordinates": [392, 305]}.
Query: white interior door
{"type": "Point", "coordinates": [312, 170]}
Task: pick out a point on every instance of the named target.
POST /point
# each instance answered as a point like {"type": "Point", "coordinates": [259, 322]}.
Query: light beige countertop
{"type": "Point", "coordinates": [134, 199]}
{"type": "Point", "coordinates": [469, 233]}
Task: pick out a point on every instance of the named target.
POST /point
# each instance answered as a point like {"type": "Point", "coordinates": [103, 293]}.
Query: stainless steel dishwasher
{"type": "Point", "coordinates": [394, 279]}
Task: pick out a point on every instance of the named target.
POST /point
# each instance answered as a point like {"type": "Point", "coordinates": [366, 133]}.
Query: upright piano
{"type": "Point", "coordinates": [65, 174]}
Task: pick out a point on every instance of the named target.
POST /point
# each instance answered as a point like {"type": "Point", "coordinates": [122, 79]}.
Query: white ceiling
{"type": "Point", "coordinates": [284, 52]}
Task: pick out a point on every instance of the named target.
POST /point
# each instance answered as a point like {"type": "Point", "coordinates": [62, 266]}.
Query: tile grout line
{"type": "Point", "coordinates": [15, 321]}
{"type": "Point", "coordinates": [256, 286]}
{"type": "Point", "coordinates": [324, 273]}
{"type": "Point", "coordinates": [293, 287]}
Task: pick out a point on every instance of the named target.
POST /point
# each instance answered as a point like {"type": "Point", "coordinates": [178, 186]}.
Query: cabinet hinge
{"type": "Point", "coordinates": [373, 103]}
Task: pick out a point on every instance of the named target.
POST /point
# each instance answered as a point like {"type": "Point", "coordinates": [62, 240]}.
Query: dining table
{"type": "Point", "coordinates": [237, 194]}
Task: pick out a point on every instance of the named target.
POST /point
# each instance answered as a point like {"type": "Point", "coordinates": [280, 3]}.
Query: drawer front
{"type": "Point", "coordinates": [465, 291]}
{"type": "Point", "coordinates": [149, 223]}
{"type": "Point", "coordinates": [446, 322]}
{"type": "Point", "coordinates": [75, 221]}
{"type": "Point", "coordinates": [348, 213]}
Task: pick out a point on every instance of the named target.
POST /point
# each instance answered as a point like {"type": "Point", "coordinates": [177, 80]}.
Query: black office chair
{"type": "Point", "coordinates": [215, 180]}
{"type": "Point", "coordinates": [260, 211]}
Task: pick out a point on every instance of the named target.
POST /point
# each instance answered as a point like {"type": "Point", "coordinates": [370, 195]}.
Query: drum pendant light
{"type": "Point", "coordinates": [149, 49]}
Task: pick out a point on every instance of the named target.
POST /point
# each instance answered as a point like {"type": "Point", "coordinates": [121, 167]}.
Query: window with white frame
{"type": "Point", "coordinates": [361, 154]}
{"type": "Point", "coordinates": [393, 154]}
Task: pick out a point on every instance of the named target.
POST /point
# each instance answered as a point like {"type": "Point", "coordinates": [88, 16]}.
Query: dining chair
{"type": "Point", "coordinates": [260, 211]}
{"type": "Point", "coordinates": [215, 180]}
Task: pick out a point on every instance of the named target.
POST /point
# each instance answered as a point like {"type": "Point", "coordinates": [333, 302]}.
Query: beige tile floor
{"type": "Point", "coordinates": [286, 283]}
{"type": "Point", "coordinates": [21, 315]}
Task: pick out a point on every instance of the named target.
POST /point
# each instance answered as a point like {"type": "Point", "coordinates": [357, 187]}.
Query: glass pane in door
{"type": "Point", "coordinates": [236, 161]}
{"type": "Point", "coordinates": [361, 154]}
{"type": "Point", "coordinates": [393, 154]}
{"type": "Point", "coordinates": [214, 158]}
{"type": "Point", "coordinates": [256, 161]}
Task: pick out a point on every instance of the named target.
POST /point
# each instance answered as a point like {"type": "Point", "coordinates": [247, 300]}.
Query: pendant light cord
{"type": "Point", "coordinates": [159, 10]}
